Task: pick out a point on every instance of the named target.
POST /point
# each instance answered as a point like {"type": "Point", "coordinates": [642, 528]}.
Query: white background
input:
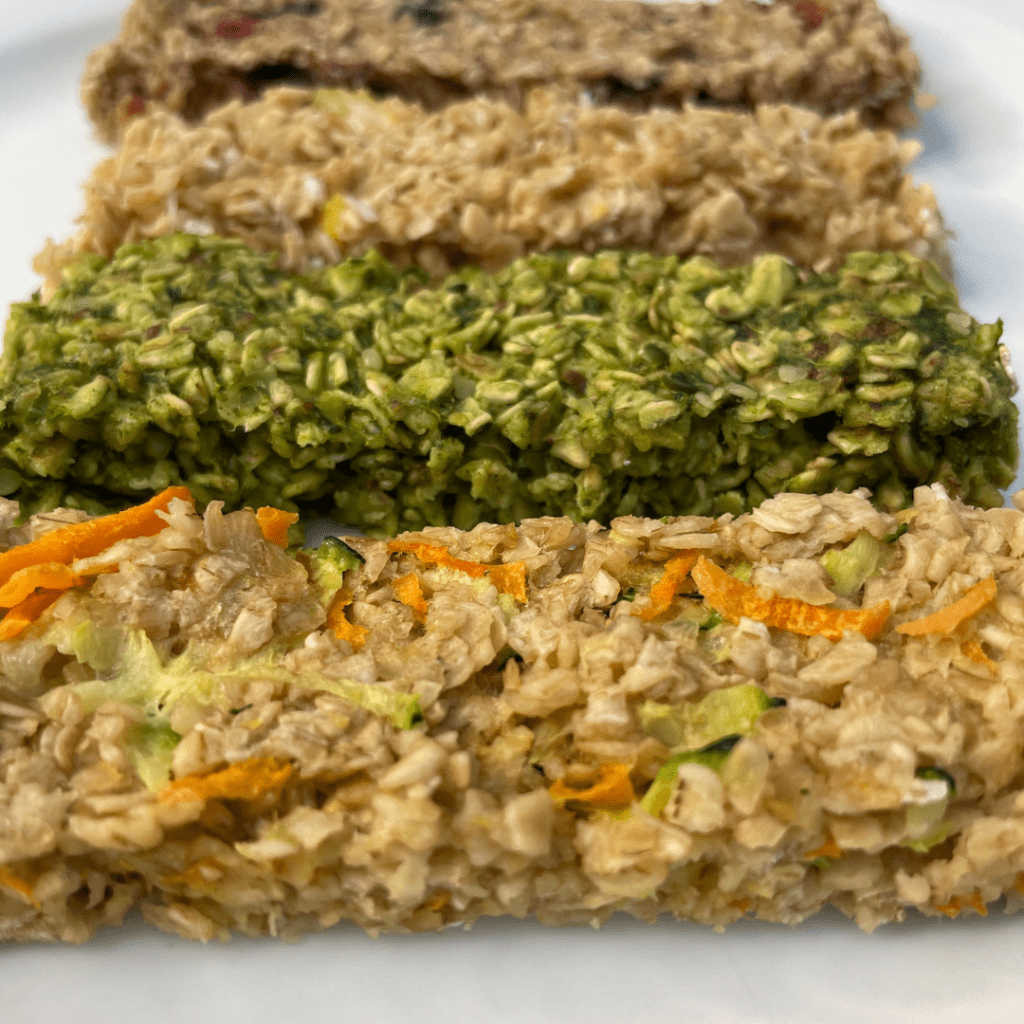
{"type": "Point", "coordinates": [823, 972]}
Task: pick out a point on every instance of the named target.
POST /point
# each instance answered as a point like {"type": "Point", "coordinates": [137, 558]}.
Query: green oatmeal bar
{"type": "Point", "coordinates": [554, 720]}
{"type": "Point", "coordinates": [593, 387]}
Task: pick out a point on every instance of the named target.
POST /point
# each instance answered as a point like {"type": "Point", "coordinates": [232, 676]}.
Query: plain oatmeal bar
{"type": "Point", "coordinates": [816, 703]}
{"type": "Point", "coordinates": [325, 174]}
{"type": "Point", "coordinates": [194, 55]}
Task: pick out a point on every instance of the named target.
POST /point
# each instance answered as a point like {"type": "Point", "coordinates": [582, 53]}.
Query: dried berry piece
{"type": "Point", "coordinates": [236, 28]}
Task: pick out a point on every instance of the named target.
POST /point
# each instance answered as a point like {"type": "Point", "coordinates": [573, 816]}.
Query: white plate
{"type": "Point", "coordinates": [823, 972]}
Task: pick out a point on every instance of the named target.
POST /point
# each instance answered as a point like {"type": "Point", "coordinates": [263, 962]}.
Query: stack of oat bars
{"type": "Point", "coordinates": [601, 318]}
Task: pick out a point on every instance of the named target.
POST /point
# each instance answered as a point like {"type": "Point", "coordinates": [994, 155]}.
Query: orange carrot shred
{"type": "Point", "coordinates": [613, 789]}
{"type": "Point", "coordinates": [338, 621]}
{"type": "Point", "coordinates": [83, 540]}
{"type": "Point", "coordinates": [19, 885]}
{"type": "Point", "coordinates": [274, 523]}
{"type": "Point", "coordinates": [439, 900]}
{"type": "Point", "coordinates": [27, 611]}
{"type": "Point", "coordinates": [733, 599]}
{"type": "Point", "coordinates": [973, 650]}
{"type": "Point", "coordinates": [508, 578]}
{"type": "Point", "coordinates": [47, 575]}
{"type": "Point", "coordinates": [957, 903]}
{"type": "Point", "coordinates": [244, 780]}
{"type": "Point", "coordinates": [408, 590]}
{"type": "Point", "coordinates": [677, 568]}
{"type": "Point", "coordinates": [945, 620]}
{"type": "Point", "coordinates": [432, 554]}
{"type": "Point", "coordinates": [978, 903]}
{"type": "Point", "coordinates": [830, 848]}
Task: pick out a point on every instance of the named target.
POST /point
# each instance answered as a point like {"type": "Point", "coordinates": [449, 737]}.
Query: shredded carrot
{"type": "Point", "coordinates": [244, 780]}
{"type": "Point", "coordinates": [613, 789]}
{"type": "Point", "coordinates": [733, 599]}
{"type": "Point", "coordinates": [27, 611]}
{"type": "Point", "coordinates": [830, 848]}
{"type": "Point", "coordinates": [973, 650]}
{"type": "Point", "coordinates": [957, 903]}
{"type": "Point", "coordinates": [274, 523]}
{"type": "Point", "coordinates": [19, 885]}
{"type": "Point", "coordinates": [33, 575]}
{"type": "Point", "coordinates": [83, 540]}
{"type": "Point", "coordinates": [742, 904]}
{"type": "Point", "coordinates": [47, 575]}
{"type": "Point", "coordinates": [338, 621]}
{"type": "Point", "coordinates": [945, 620]}
{"type": "Point", "coordinates": [408, 590]}
{"type": "Point", "coordinates": [439, 900]}
{"type": "Point", "coordinates": [677, 568]}
{"type": "Point", "coordinates": [509, 578]}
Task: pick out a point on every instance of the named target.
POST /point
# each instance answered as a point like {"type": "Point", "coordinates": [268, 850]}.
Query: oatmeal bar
{"type": "Point", "coordinates": [193, 55]}
{"type": "Point", "coordinates": [321, 175]}
{"type": "Point", "coordinates": [587, 386]}
{"type": "Point", "coordinates": [815, 704]}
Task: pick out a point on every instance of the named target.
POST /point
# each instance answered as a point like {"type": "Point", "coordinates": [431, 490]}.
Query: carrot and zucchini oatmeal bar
{"type": "Point", "coordinates": [317, 175]}
{"type": "Point", "coordinates": [816, 703]}
{"type": "Point", "coordinates": [194, 55]}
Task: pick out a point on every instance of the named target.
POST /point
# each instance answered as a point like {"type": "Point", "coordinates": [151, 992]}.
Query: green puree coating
{"type": "Point", "coordinates": [590, 386]}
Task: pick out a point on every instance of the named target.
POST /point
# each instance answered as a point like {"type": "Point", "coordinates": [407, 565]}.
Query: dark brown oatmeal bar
{"type": "Point", "coordinates": [194, 55]}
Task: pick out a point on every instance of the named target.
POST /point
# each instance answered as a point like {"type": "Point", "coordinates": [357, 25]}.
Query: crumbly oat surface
{"type": "Point", "coordinates": [574, 688]}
